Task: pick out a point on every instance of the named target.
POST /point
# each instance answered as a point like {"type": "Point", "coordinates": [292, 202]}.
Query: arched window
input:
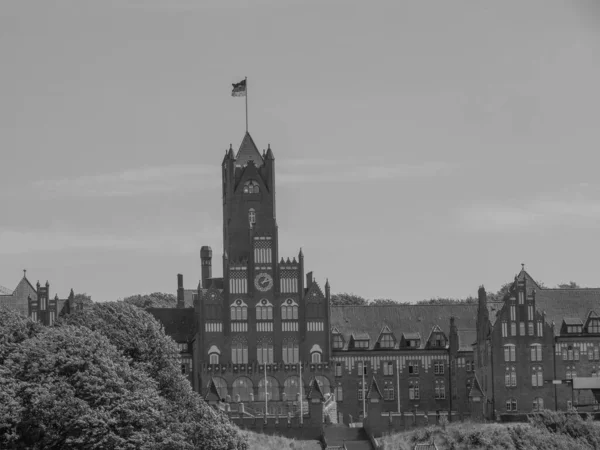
{"type": "Point", "coordinates": [536, 352]}
{"type": "Point", "coordinates": [440, 389]}
{"type": "Point", "coordinates": [213, 354]}
{"type": "Point", "coordinates": [324, 384]}
{"type": "Point", "coordinates": [264, 310]}
{"type": "Point", "coordinates": [239, 310]}
{"type": "Point", "coordinates": [264, 351]}
{"type": "Point", "coordinates": [251, 217]}
{"type": "Point", "coordinates": [289, 310]}
{"type": "Point", "coordinates": [251, 187]}
{"type": "Point", "coordinates": [272, 389]}
{"type": "Point", "coordinates": [538, 404]}
{"type": "Point", "coordinates": [315, 354]}
{"type": "Point", "coordinates": [291, 388]}
{"type": "Point", "coordinates": [243, 387]}
{"type": "Point", "coordinates": [537, 376]}
{"type": "Point", "coordinates": [291, 353]}
{"type": "Point", "coordinates": [239, 351]}
{"type": "Point", "coordinates": [221, 385]}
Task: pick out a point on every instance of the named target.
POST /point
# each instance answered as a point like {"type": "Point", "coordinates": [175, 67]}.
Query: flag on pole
{"type": "Point", "coordinates": [239, 89]}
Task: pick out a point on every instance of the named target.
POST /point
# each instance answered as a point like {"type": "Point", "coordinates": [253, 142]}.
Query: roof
{"type": "Point", "coordinates": [248, 152]}
{"type": "Point", "coordinates": [360, 336]}
{"type": "Point", "coordinates": [314, 390]}
{"type": "Point", "coordinates": [466, 338]}
{"type": "Point", "coordinates": [475, 390]}
{"type": "Point", "coordinates": [179, 323]}
{"type": "Point", "coordinates": [5, 291]}
{"type": "Point", "coordinates": [494, 308]}
{"type": "Point", "coordinates": [426, 446]}
{"type": "Point", "coordinates": [573, 305]}
{"type": "Point", "coordinates": [374, 391]}
{"type": "Point", "coordinates": [400, 319]}
{"type": "Point", "coordinates": [411, 336]}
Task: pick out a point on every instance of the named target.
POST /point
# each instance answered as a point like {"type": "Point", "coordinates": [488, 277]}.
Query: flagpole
{"type": "Point", "coordinates": [301, 399]}
{"type": "Point", "coordinates": [266, 389]}
{"type": "Point", "coordinates": [246, 79]}
{"type": "Point", "coordinates": [363, 391]}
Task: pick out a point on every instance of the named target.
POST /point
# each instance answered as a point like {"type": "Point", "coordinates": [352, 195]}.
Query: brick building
{"type": "Point", "coordinates": [532, 345]}
{"type": "Point", "coordinates": [36, 301]}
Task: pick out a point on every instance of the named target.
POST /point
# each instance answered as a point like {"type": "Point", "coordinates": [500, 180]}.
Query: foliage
{"type": "Point", "coordinates": [154, 300]}
{"type": "Point", "coordinates": [345, 298]}
{"type": "Point", "coordinates": [447, 301]}
{"type": "Point", "coordinates": [385, 301]}
{"type": "Point", "coordinates": [140, 337]}
{"type": "Point", "coordinates": [569, 285]}
{"type": "Point", "coordinates": [84, 298]}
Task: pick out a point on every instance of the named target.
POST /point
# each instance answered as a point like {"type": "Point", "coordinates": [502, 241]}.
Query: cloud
{"type": "Point", "coordinates": [569, 207]}
{"type": "Point", "coordinates": [190, 178]}
{"type": "Point", "coordinates": [23, 242]}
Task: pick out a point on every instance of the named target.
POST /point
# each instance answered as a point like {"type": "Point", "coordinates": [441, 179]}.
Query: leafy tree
{"type": "Point", "coordinates": [139, 336]}
{"type": "Point", "coordinates": [84, 298]}
{"type": "Point", "coordinates": [569, 285]}
{"type": "Point", "coordinates": [348, 299]}
{"type": "Point", "coordinates": [385, 301]}
{"type": "Point", "coordinates": [154, 300]}
{"type": "Point", "coordinates": [447, 301]}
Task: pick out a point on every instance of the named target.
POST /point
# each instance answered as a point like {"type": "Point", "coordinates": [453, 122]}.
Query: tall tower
{"type": "Point", "coordinates": [248, 202]}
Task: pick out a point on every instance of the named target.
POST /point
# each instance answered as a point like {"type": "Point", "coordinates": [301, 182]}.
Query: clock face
{"type": "Point", "coordinates": [263, 282]}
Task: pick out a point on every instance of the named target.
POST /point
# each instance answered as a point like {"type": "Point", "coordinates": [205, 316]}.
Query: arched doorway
{"type": "Point", "coordinates": [291, 388]}
{"type": "Point", "coordinates": [243, 387]}
{"type": "Point", "coordinates": [272, 389]}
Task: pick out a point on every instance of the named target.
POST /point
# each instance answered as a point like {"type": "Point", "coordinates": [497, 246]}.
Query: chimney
{"type": "Point", "coordinates": [482, 296]}
{"type": "Point", "coordinates": [309, 280]}
{"type": "Point", "coordinates": [180, 299]}
{"type": "Point", "coordinates": [206, 261]}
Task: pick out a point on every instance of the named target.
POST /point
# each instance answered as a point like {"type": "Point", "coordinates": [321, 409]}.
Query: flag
{"type": "Point", "coordinates": [239, 89]}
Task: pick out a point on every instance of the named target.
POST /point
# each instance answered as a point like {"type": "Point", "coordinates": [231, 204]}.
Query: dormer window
{"type": "Point", "coordinates": [361, 343]}
{"type": "Point", "coordinates": [251, 187]}
{"type": "Point", "coordinates": [412, 340]}
{"type": "Point", "coordinates": [573, 325]}
{"type": "Point", "coordinates": [338, 341]}
{"type": "Point", "coordinates": [594, 326]}
{"type": "Point", "coordinates": [386, 341]}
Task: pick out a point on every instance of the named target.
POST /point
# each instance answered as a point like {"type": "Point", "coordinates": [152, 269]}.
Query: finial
{"type": "Point", "coordinates": [269, 146]}
{"type": "Point", "coordinates": [24, 273]}
{"type": "Point", "coordinates": [522, 266]}
{"type": "Point", "coordinates": [230, 146]}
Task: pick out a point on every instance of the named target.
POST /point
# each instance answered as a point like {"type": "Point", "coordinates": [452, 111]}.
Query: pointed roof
{"type": "Point", "coordinates": [213, 393]}
{"type": "Point", "coordinates": [476, 390]}
{"type": "Point", "coordinates": [314, 390]}
{"type": "Point", "coordinates": [248, 152]}
{"type": "Point", "coordinates": [374, 391]}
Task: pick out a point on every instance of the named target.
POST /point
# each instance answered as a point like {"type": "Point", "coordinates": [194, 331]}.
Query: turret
{"type": "Point", "coordinates": [180, 296]}
{"type": "Point", "coordinates": [206, 261]}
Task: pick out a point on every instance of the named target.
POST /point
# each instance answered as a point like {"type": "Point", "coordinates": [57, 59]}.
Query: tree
{"type": "Point", "coordinates": [154, 300]}
{"type": "Point", "coordinates": [84, 298]}
{"type": "Point", "coordinates": [345, 298]}
{"type": "Point", "coordinates": [447, 301]}
{"type": "Point", "coordinates": [569, 285]}
{"type": "Point", "coordinates": [385, 301]}
{"type": "Point", "coordinates": [140, 337]}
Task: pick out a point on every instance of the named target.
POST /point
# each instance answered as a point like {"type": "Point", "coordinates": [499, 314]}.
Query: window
{"type": "Point", "coordinates": [264, 352]}
{"type": "Point", "coordinates": [339, 393]}
{"type": "Point", "coordinates": [361, 343]}
{"type": "Point", "coordinates": [513, 313]}
{"type": "Point", "coordinates": [413, 390]}
{"type": "Point", "coordinates": [51, 315]}
{"type": "Point", "coordinates": [530, 329]}
{"type": "Point", "coordinates": [536, 352]}
{"type": "Point", "coordinates": [438, 368]}
{"type": "Point", "coordinates": [34, 316]}
{"type": "Point", "coordinates": [338, 341]}
{"type": "Point", "coordinates": [596, 354]}
{"type": "Point", "coordinates": [290, 351]}
{"type": "Point", "coordinates": [511, 405]}
{"type": "Point", "coordinates": [251, 187]}
{"type": "Point", "coordinates": [361, 368]}
{"type": "Point", "coordinates": [315, 357]}
{"type": "Point", "coordinates": [468, 366]}
{"type": "Point", "coordinates": [338, 369]}
{"type": "Point", "coordinates": [594, 326]}
{"type": "Point", "coordinates": [186, 365]}
{"type": "Point", "coordinates": [570, 353]}
{"type": "Point", "coordinates": [242, 388]}
{"type": "Point", "coordinates": [239, 311]}
{"type": "Point", "coordinates": [440, 390]}
{"type": "Point", "coordinates": [509, 353]}
{"type": "Point", "coordinates": [43, 304]}
{"type": "Point", "coordinates": [388, 368]}
{"type": "Point", "coordinates": [291, 387]}
{"type": "Point", "coordinates": [362, 389]}
{"type": "Point", "coordinates": [239, 352]}
{"type": "Point", "coordinates": [522, 328]}
{"type": "Point", "coordinates": [271, 391]}
{"type": "Point", "coordinates": [529, 312]}
{"type": "Point", "coordinates": [251, 217]}
{"type": "Point", "coordinates": [386, 341]}
{"type": "Point", "coordinates": [388, 390]}
{"type": "Point", "coordinates": [540, 329]}
{"type": "Point", "coordinates": [537, 377]}
{"type": "Point", "coordinates": [521, 297]}
{"type": "Point", "coordinates": [264, 310]}
{"type": "Point", "coordinates": [571, 373]}
{"type": "Point", "coordinates": [289, 310]}
{"type": "Point", "coordinates": [182, 347]}
{"type": "Point", "coordinates": [569, 405]}
{"type": "Point", "coordinates": [538, 404]}
{"type": "Point", "coordinates": [413, 367]}
{"type": "Point", "coordinates": [213, 355]}
{"type": "Point", "coordinates": [510, 377]}
{"type": "Point", "coordinates": [513, 328]}
{"type": "Point", "coordinates": [504, 329]}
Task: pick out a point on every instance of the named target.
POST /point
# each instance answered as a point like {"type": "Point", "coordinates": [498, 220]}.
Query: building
{"type": "Point", "coordinates": [36, 302]}
{"type": "Point", "coordinates": [535, 346]}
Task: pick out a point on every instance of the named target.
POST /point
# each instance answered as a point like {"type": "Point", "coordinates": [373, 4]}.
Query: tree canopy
{"type": "Point", "coordinates": [106, 377]}
{"type": "Point", "coordinates": [154, 300]}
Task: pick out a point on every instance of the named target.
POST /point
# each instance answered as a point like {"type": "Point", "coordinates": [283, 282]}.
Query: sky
{"type": "Point", "coordinates": [422, 148]}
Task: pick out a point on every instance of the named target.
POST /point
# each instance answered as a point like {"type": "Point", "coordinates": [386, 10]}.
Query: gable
{"type": "Point", "coordinates": [248, 152]}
